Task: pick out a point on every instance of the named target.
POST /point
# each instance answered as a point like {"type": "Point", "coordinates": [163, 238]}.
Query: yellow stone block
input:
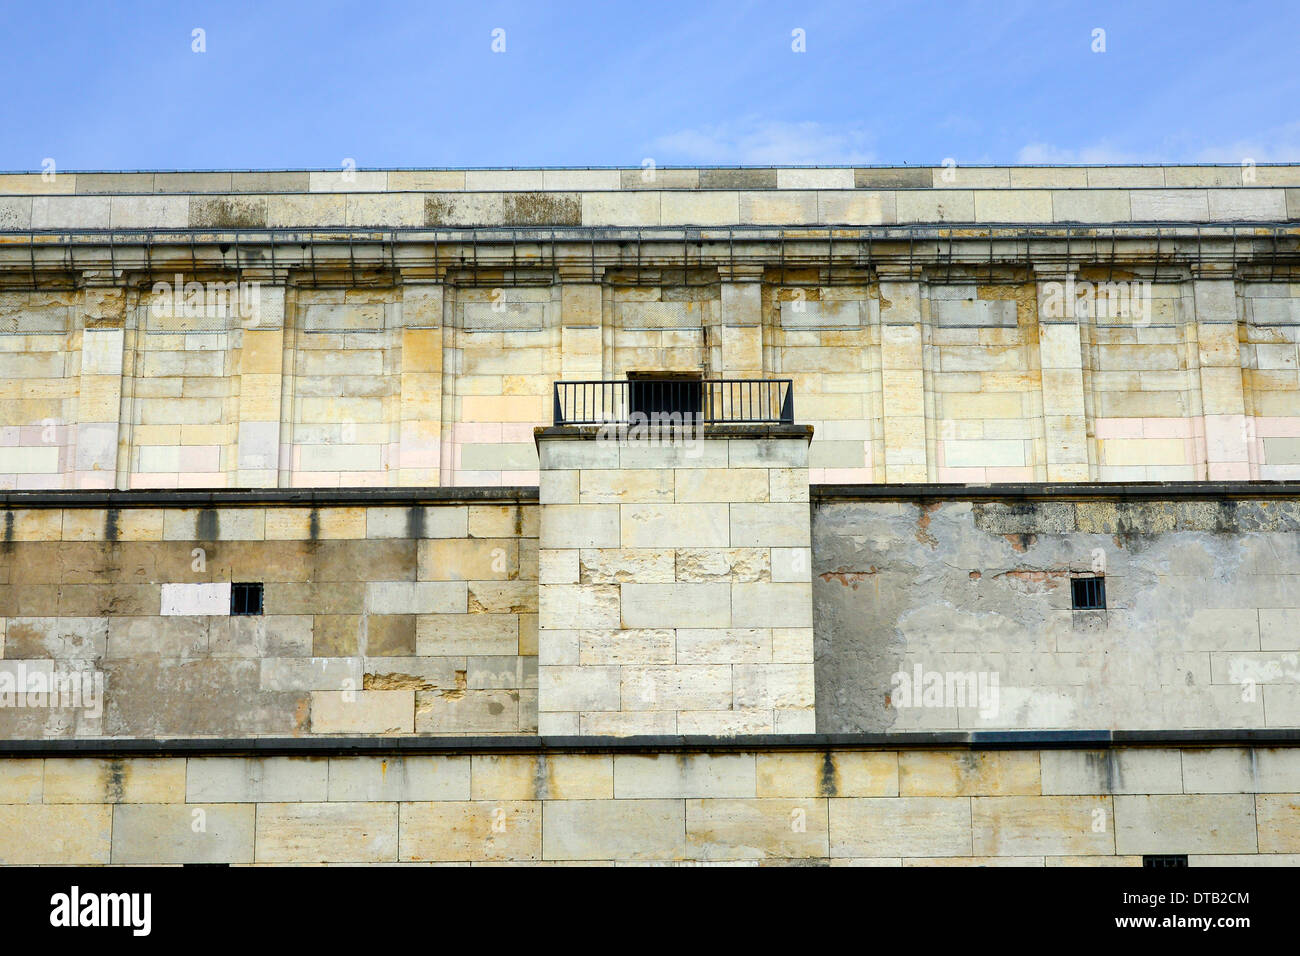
{"type": "Point", "coordinates": [262, 352]}
{"type": "Point", "coordinates": [114, 780]}
{"type": "Point", "coordinates": [939, 773]}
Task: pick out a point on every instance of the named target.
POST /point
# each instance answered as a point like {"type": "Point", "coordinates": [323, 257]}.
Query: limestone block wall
{"type": "Point", "coordinates": [376, 619]}
{"type": "Point", "coordinates": [40, 366]}
{"type": "Point", "coordinates": [971, 598]}
{"type": "Point", "coordinates": [1227, 806]}
{"type": "Point", "coordinates": [503, 352]}
{"type": "Point", "coordinates": [826, 339]}
{"type": "Point", "coordinates": [674, 579]}
{"type": "Point", "coordinates": [985, 393]}
{"type": "Point", "coordinates": [344, 388]}
{"type": "Point", "coordinates": [416, 319]}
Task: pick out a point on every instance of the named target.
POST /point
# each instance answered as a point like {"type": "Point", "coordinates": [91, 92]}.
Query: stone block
{"type": "Point", "coordinates": [68, 835]}
{"type": "Point", "coordinates": [255, 779]}
{"type": "Point", "coordinates": [402, 779]}
{"type": "Point", "coordinates": [1051, 826]}
{"type": "Point", "coordinates": [455, 831]}
{"type": "Point", "coordinates": [639, 776]}
{"type": "Point", "coordinates": [363, 712]}
{"type": "Point", "coordinates": [756, 829]}
{"type": "Point", "coordinates": [632, 830]}
{"type": "Point", "coordinates": [774, 524]}
{"type": "Point", "coordinates": [326, 832]}
{"type": "Point", "coordinates": [900, 827]}
{"type": "Point", "coordinates": [170, 834]}
{"type": "Point", "coordinates": [114, 780]}
{"type": "Point", "coordinates": [1138, 771]}
{"type": "Point", "coordinates": [680, 605]}
{"type": "Point", "coordinates": [1174, 823]}
{"type": "Point", "coordinates": [939, 773]}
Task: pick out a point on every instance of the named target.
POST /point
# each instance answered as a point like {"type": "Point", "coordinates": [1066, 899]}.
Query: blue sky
{"type": "Point", "coordinates": [285, 85]}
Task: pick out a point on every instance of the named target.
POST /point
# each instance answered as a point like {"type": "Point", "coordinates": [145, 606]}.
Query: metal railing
{"type": "Point", "coordinates": [673, 400]}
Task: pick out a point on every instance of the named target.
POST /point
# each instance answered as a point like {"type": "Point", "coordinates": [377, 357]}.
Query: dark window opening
{"type": "Point", "coordinates": [1088, 594]}
{"type": "Point", "coordinates": [651, 394]}
{"type": "Point", "coordinates": [246, 598]}
{"type": "Point", "coordinates": [1168, 861]}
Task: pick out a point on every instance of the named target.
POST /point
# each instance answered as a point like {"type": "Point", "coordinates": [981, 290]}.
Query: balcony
{"type": "Point", "coordinates": [682, 400]}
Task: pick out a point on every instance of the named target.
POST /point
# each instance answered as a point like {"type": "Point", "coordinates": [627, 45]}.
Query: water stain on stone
{"type": "Point", "coordinates": [415, 522]}
{"type": "Point", "coordinates": [206, 526]}
{"type": "Point", "coordinates": [828, 785]}
{"type": "Point", "coordinates": [1021, 542]}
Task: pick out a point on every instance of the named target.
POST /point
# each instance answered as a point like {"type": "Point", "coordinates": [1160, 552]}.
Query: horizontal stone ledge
{"type": "Point", "coordinates": [396, 746]}
{"type": "Point", "coordinates": [1058, 491]}
{"type": "Point", "coordinates": [257, 497]}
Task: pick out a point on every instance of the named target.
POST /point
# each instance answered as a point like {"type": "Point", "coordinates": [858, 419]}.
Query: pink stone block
{"type": "Point", "coordinates": [1277, 427]}
{"type": "Point", "coordinates": [1225, 438]}
{"type": "Point", "coordinates": [202, 479]}
{"type": "Point", "coordinates": [519, 478]}
{"type": "Point", "coordinates": [472, 433]}
{"type": "Point", "coordinates": [1229, 471]}
{"type": "Point", "coordinates": [154, 480]}
{"type": "Point", "coordinates": [419, 456]}
{"type": "Point", "coordinates": [55, 482]}
{"type": "Point", "coordinates": [1118, 427]}
{"type": "Point", "coordinates": [973, 476]}
{"type": "Point", "coordinates": [314, 479]}
{"type": "Point", "coordinates": [1166, 427]}
{"type": "Point", "coordinates": [363, 479]}
{"type": "Point", "coordinates": [1022, 473]}
{"type": "Point", "coordinates": [518, 431]}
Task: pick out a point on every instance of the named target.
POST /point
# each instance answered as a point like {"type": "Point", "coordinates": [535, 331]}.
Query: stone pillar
{"type": "Point", "coordinates": [99, 390]}
{"type": "Point", "coordinates": [1222, 397]}
{"type": "Point", "coordinates": [581, 332]}
{"type": "Point", "coordinates": [420, 421]}
{"type": "Point", "coordinates": [675, 583]}
{"type": "Point", "coordinates": [1061, 363]}
{"type": "Point", "coordinates": [741, 331]}
{"type": "Point", "coordinates": [902, 378]}
{"type": "Point", "coordinates": [260, 369]}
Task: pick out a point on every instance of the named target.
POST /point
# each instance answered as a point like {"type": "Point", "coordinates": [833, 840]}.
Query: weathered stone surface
{"type": "Point", "coordinates": [75, 835]}
{"type": "Point", "coordinates": [161, 834]}
{"type": "Point", "coordinates": [326, 832]}
{"type": "Point", "coordinates": [900, 826]}
{"type": "Point", "coordinates": [471, 831]}
{"type": "Point", "coordinates": [640, 830]}
{"type": "Point", "coordinates": [1220, 823]}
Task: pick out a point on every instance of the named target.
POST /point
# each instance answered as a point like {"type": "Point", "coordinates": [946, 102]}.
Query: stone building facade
{"type": "Point", "coordinates": [298, 529]}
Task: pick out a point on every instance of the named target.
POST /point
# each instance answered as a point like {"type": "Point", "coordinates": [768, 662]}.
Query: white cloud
{"type": "Point", "coordinates": [1281, 144]}
{"type": "Point", "coordinates": [1100, 154]}
{"type": "Point", "coordinates": [765, 143]}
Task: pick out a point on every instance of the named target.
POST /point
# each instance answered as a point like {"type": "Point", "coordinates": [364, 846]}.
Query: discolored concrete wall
{"type": "Point", "coordinates": [376, 620]}
{"type": "Point", "coordinates": [1201, 630]}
